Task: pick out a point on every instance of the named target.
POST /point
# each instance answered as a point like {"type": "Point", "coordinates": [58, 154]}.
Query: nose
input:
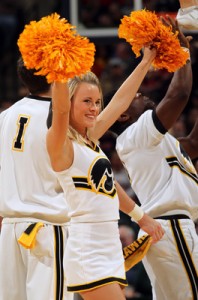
{"type": "Point", "coordinates": [93, 106]}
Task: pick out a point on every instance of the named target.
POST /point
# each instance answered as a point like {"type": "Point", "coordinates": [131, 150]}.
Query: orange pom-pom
{"type": "Point", "coordinates": [53, 47]}
{"type": "Point", "coordinates": [138, 29]}
{"type": "Point", "coordinates": [143, 27]}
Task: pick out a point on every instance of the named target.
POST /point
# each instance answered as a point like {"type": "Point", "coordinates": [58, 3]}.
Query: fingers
{"type": "Point", "coordinates": [189, 38]}
{"type": "Point", "coordinates": [172, 22]}
{"type": "Point", "coordinates": [149, 52]}
{"type": "Point", "coordinates": [157, 236]}
{"type": "Point", "coordinates": [152, 227]}
{"type": "Point", "coordinates": [164, 21]}
{"type": "Point", "coordinates": [157, 233]}
{"type": "Point", "coordinates": [168, 21]}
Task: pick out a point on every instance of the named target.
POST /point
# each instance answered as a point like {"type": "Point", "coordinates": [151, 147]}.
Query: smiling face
{"type": "Point", "coordinates": [85, 106]}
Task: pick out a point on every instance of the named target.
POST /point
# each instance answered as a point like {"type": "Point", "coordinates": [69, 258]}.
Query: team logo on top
{"type": "Point", "coordinates": [184, 163]}
{"type": "Point", "coordinates": [185, 167]}
{"type": "Point", "coordinates": [187, 161]}
{"type": "Point", "coordinates": [99, 179]}
{"type": "Point", "coordinates": [22, 123]}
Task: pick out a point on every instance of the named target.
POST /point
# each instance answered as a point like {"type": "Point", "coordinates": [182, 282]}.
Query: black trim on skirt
{"type": "Point", "coordinates": [96, 284]}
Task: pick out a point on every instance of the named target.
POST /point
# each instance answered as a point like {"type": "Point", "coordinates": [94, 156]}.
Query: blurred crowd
{"type": "Point", "coordinates": [107, 13]}
{"type": "Point", "coordinates": [114, 61]}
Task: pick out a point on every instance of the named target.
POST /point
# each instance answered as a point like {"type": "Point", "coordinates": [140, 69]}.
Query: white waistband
{"type": "Point", "coordinates": [30, 220]}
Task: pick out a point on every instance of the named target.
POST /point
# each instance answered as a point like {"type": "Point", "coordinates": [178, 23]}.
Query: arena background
{"type": "Point", "coordinates": [114, 60]}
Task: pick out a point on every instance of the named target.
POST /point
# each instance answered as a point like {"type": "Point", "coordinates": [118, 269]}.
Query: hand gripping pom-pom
{"type": "Point", "coordinates": [53, 47]}
{"type": "Point", "coordinates": [143, 27]}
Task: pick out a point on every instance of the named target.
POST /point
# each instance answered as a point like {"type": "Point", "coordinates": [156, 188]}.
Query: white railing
{"type": "Point", "coordinates": [95, 32]}
{"type": "Point", "coordinates": [99, 32]}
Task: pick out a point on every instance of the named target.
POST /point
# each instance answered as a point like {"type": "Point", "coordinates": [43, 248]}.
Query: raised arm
{"type": "Point", "coordinates": [176, 98]}
{"type": "Point", "coordinates": [59, 145]}
{"type": "Point", "coordinates": [190, 142]}
{"type": "Point", "coordinates": [123, 97]}
{"type": "Point", "coordinates": [177, 95]}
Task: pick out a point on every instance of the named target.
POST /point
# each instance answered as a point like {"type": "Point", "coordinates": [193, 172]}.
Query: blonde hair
{"type": "Point", "coordinates": [73, 83]}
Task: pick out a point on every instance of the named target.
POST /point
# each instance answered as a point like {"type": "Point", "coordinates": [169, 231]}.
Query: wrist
{"type": "Point", "coordinates": [185, 49]}
{"type": "Point", "coordinates": [146, 62]}
{"type": "Point", "coordinates": [137, 213]}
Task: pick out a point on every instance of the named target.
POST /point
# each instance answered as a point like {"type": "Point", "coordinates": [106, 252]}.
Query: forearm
{"type": "Point", "coordinates": [127, 91]}
{"type": "Point", "coordinates": [146, 223]}
{"type": "Point", "coordinates": [60, 97]}
{"type": "Point", "coordinates": [176, 98]}
{"type": "Point", "coordinates": [57, 133]}
{"type": "Point", "coordinates": [123, 97]}
{"type": "Point", "coordinates": [181, 84]}
{"type": "Point", "coordinates": [60, 111]}
{"type": "Point", "coordinates": [127, 204]}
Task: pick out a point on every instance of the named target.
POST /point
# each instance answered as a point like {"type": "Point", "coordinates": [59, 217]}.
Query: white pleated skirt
{"type": "Point", "coordinates": [93, 256]}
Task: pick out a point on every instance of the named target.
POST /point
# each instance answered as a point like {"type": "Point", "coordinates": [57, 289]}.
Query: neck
{"type": "Point", "coordinates": [85, 136]}
{"type": "Point", "coordinates": [84, 133]}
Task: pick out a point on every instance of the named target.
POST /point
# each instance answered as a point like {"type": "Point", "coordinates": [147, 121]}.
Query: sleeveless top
{"type": "Point", "coordinates": [89, 186]}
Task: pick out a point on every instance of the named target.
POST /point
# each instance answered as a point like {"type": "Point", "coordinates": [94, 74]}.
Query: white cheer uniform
{"type": "Point", "coordinates": [30, 193]}
{"type": "Point", "coordinates": [166, 184]}
{"type": "Point", "coordinates": [93, 255]}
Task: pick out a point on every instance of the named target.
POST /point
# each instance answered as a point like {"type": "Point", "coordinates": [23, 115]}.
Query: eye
{"type": "Point", "coordinates": [88, 102]}
{"type": "Point", "coordinates": [98, 103]}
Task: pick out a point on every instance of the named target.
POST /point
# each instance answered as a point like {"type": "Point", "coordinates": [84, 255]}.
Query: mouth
{"type": "Point", "coordinates": [91, 117]}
